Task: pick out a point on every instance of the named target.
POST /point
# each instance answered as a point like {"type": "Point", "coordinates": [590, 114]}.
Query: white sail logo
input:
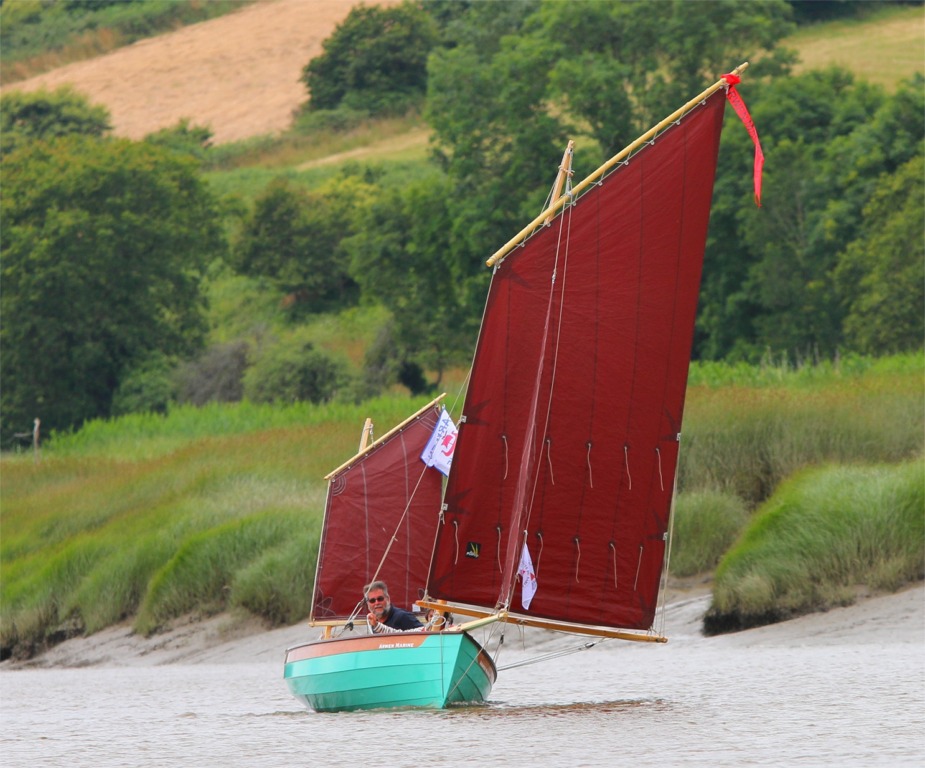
{"type": "Point", "coordinates": [438, 452]}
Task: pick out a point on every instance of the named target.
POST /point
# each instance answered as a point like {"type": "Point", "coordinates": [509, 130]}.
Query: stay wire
{"type": "Point", "coordinates": [552, 655]}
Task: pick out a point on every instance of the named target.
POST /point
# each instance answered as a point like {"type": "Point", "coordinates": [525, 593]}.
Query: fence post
{"type": "Point", "coordinates": [35, 440]}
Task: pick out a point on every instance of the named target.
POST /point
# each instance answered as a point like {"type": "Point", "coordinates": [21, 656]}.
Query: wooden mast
{"type": "Point", "coordinates": [565, 171]}
{"type": "Point", "coordinates": [366, 448]}
{"type": "Point", "coordinates": [364, 437]}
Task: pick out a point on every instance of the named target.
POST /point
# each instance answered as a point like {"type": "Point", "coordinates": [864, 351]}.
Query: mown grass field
{"type": "Point", "coordinates": [36, 43]}
{"type": "Point", "coordinates": [882, 48]}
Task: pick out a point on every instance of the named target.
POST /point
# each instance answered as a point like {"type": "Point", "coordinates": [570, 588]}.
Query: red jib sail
{"type": "Point", "coordinates": [572, 419]}
{"type": "Point", "coordinates": [383, 501]}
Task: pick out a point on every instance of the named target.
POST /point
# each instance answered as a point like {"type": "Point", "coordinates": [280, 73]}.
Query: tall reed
{"type": "Point", "coordinates": [146, 517]}
{"type": "Point", "coordinates": [746, 439]}
{"type": "Point", "coordinates": [705, 525]}
{"type": "Point", "coordinates": [87, 544]}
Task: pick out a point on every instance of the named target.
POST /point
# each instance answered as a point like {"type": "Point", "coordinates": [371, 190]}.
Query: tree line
{"type": "Point", "coordinates": [107, 245]}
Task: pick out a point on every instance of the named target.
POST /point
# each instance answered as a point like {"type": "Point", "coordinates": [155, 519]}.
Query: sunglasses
{"type": "Point", "coordinates": [375, 599]}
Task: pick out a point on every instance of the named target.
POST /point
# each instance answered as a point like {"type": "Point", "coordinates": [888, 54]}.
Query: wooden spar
{"type": "Point", "coordinates": [565, 170]}
{"type": "Point", "coordinates": [443, 607]}
{"type": "Point", "coordinates": [486, 617]}
{"type": "Point", "coordinates": [481, 622]}
{"type": "Point", "coordinates": [327, 627]}
{"type": "Point", "coordinates": [546, 215]}
{"type": "Point", "coordinates": [584, 629]}
{"type": "Point", "coordinates": [330, 623]}
{"type": "Point", "coordinates": [386, 436]}
{"type": "Point", "coordinates": [364, 438]}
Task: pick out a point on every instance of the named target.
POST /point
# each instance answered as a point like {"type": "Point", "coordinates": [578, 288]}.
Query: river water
{"type": "Point", "coordinates": [816, 694]}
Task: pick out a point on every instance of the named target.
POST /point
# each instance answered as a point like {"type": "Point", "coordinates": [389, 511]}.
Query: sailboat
{"type": "Point", "coordinates": [380, 521]}
{"type": "Point", "coordinates": [564, 467]}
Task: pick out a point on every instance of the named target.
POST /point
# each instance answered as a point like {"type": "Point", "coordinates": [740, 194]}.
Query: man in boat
{"type": "Point", "coordinates": [383, 617]}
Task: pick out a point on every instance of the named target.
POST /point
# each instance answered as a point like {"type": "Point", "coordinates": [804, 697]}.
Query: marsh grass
{"type": "Point", "coordinates": [148, 517]}
{"type": "Point", "coordinates": [200, 576]}
{"type": "Point", "coordinates": [706, 523]}
{"type": "Point", "coordinates": [145, 518]}
{"type": "Point", "coordinates": [825, 533]}
{"type": "Point", "coordinates": [277, 585]}
{"type": "Point", "coordinates": [745, 440]}
{"type": "Point", "coordinates": [146, 436]}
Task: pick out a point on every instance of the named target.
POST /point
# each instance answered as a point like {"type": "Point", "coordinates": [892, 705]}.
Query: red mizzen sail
{"type": "Point", "coordinates": [385, 492]}
{"type": "Point", "coordinates": [570, 431]}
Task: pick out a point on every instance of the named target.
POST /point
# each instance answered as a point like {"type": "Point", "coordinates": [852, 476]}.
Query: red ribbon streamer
{"type": "Point", "coordinates": [742, 111]}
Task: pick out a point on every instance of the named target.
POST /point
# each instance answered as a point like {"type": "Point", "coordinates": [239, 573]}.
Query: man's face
{"type": "Point", "coordinates": [378, 603]}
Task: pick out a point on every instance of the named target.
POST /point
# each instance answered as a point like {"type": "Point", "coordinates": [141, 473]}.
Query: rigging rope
{"type": "Point", "coordinates": [613, 549]}
{"type": "Point", "coordinates": [552, 479]}
{"type": "Point", "coordinates": [398, 526]}
{"type": "Point", "coordinates": [551, 655]}
{"type": "Point", "coordinates": [498, 548]}
{"type": "Point", "coordinates": [577, 559]}
{"type": "Point", "coordinates": [626, 460]}
{"type": "Point", "coordinates": [638, 566]}
{"type": "Point", "coordinates": [661, 480]}
{"type": "Point", "coordinates": [590, 474]}
{"type": "Point", "coordinates": [565, 229]}
{"type": "Point", "coordinates": [660, 612]}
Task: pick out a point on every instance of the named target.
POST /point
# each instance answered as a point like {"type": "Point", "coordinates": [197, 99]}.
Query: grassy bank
{"type": "Point", "coordinates": [825, 533]}
{"type": "Point", "coordinates": [151, 517]}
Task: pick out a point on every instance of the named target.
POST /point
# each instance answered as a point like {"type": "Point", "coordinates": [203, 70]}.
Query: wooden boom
{"type": "Point", "coordinates": [484, 617]}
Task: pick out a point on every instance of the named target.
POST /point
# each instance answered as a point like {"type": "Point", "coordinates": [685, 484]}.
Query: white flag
{"type": "Point", "coordinates": [438, 452]}
{"type": "Point", "coordinates": [527, 578]}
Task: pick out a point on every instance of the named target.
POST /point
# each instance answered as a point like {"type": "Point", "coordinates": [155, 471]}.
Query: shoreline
{"type": "Point", "coordinates": [232, 639]}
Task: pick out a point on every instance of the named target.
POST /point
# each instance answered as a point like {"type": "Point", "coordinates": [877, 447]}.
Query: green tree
{"type": "Point", "coordinates": [769, 275]}
{"type": "Point", "coordinates": [25, 117]}
{"type": "Point", "coordinates": [502, 107]}
{"type": "Point", "coordinates": [375, 60]}
{"type": "Point", "coordinates": [149, 386]}
{"type": "Point", "coordinates": [620, 67]}
{"type": "Point", "coordinates": [881, 275]}
{"type": "Point", "coordinates": [293, 237]}
{"type": "Point", "coordinates": [476, 23]}
{"type": "Point", "coordinates": [193, 140]}
{"type": "Point", "coordinates": [216, 375]}
{"type": "Point", "coordinates": [403, 260]}
{"type": "Point", "coordinates": [292, 370]}
{"type": "Point", "coordinates": [102, 249]}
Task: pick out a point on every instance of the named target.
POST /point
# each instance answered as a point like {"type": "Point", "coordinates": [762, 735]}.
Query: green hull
{"type": "Point", "coordinates": [409, 669]}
